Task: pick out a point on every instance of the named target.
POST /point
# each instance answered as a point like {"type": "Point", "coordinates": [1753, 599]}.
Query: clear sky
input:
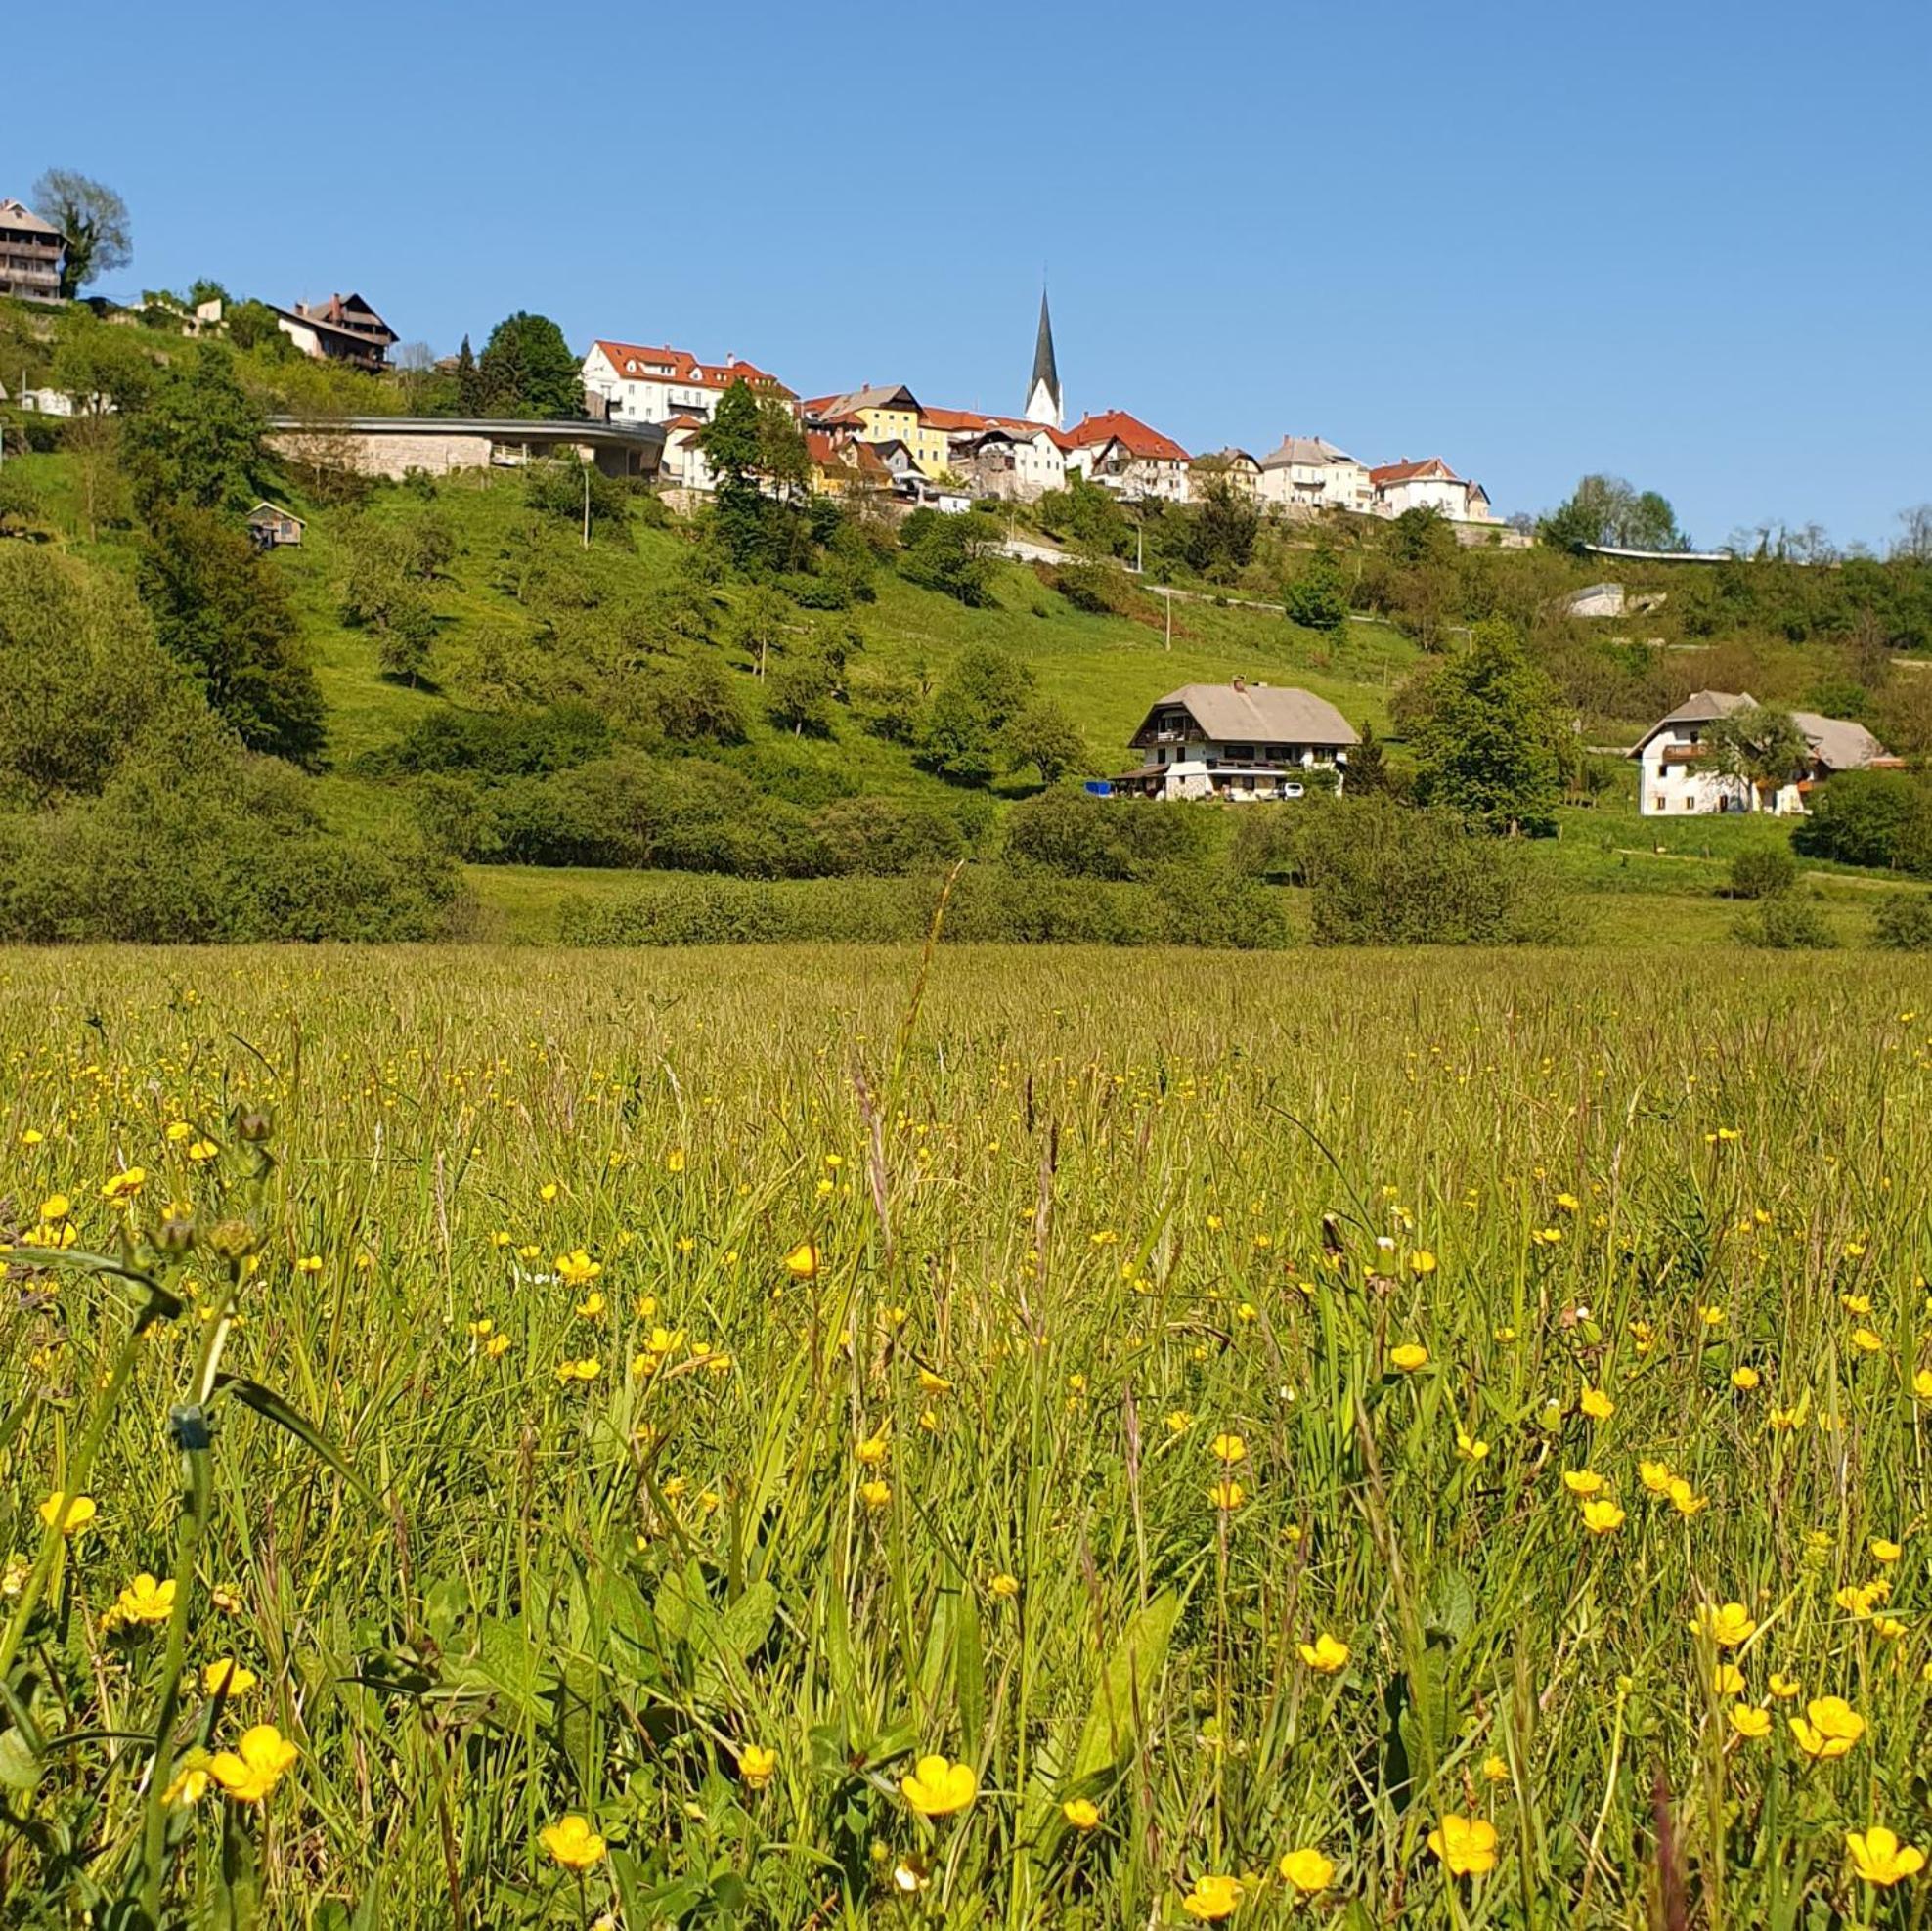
{"type": "Point", "coordinates": [1684, 243]}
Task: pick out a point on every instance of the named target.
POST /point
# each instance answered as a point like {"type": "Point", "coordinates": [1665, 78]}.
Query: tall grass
{"type": "Point", "coordinates": [915, 1331]}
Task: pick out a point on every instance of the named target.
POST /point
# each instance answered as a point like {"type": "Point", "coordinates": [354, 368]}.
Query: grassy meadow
{"type": "Point", "coordinates": [811, 1437]}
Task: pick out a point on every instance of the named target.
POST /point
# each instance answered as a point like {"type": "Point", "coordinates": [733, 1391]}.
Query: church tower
{"type": "Point", "coordinates": [1043, 398]}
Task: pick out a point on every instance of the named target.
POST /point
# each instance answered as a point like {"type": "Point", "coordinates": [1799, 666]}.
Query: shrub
{"type": "Point", "coordinates": [887, 837]}
{"type": "Point", "coordinates": [1079, 836]}
{"type": "Point", "coordinates": [945, 554]}
{"type": "Point", "coordinates": [1764, 872]}
{"type": "Point", "coordinates": [1101, 590]}
{"type": "Point", "coordinates": [1389, 874]}
{"type": "Point", "coordinates": [1216, 905]}
{"type": "Point", "coordinates": [1786, 925]}
{"type": "Point", "coordinates": [497, 743]}
{"type": "Point", "coordinates": [1902, 923]}
{"type": "Point", "coordinates": [193, 843]}
{"type": "Point", "coordinates": [1315, 598]}
{"type": "Point", "coordinates": [1879, 819]}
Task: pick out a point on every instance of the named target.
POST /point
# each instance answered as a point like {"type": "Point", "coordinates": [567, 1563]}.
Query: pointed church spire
{"type": "Point", "coordinates": [1043, 397]}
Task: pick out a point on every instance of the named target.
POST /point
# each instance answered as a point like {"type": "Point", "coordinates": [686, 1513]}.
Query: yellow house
{"type": "Point", "coordinates": [884, 415]}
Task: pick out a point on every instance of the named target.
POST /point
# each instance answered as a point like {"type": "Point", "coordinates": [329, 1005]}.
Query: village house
{"type": "Point", "coordinates": [844, 467]}
{"type": "Point", "coordinates": [1239, 742]}
{"type": "Point", "coordinates": [271, 527]}
{"type": "Point", "coordinates": [1304, 472]}
{"type": "Point", "coordinates": [344, 329]}
{"type": "Point", "coordinates": [1679, 772]}
{"type": "Point", "coordinates": [1429, 485]}
{"type": "Point", "coordinates": [1008, 457]}
{"type": "Point", "coordinates": [881, 416]}
{"type": "Point", "coordinates": [624, 382]}
{"type": "Point", "coordinates": [31, 251]}
{"type": "Point", "coordinates": [1242, 471]}
{"type": "Point", "coordinates": [1120, 453]}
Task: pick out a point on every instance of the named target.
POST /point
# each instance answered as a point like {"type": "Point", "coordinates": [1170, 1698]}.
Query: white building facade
{"type": "Point", "coordinates": [637, 384]}
{"type": "Point", "coordinates": [1309, 473]}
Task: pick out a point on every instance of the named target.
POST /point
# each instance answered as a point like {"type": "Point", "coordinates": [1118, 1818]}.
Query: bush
{"type": "Point", "coordinates": [1902, 923]}
{"type": "Point", "coordinates": [1219, 906]}
{"type": "Point", "coordinates": [945, 554]}
{"type": "Point", "coordinates": [1764, 872]}
{"type": "Point", "coordinates": [1879, 818]}
{"type": "Point", "coordinates": [194, 844]}
{"type": "Point", "coordinates": [1786, 925]}
{"type": "Point", "coordinates": [1101, 590]}
{"type": "Point", "coordinates": [1389, 874]}
{"type": "Point", "coordinates": [1080, 836]}
{"type": "Point", "coordinates": [887, 837]}
{"type": "Point", "coordinates": [495, 743]}
{"type": "Point", "coordinates": [1315, 600]}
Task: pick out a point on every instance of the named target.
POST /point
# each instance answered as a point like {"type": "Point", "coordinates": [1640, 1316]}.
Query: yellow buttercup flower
{"type": "Point", "coordinates": [1878, 1856]}
{"type": "Point", "coordinates": [1227, 1494]}
{"type": "Point", "coordinates": [576, 1269]}
{"type": "Point", "coordinates": [1469, 1447]}
{"type": "Point", "coordinates": [875, 1494]}
{"type": "Point", "coordinates": [1883, 1550]}
{"type": "Point", "coordinates": [1598, 1405]}
{"type": "Point", "coordinates": [1829, 1728]}
{"type": "Point", "coordinates": [757, 1766]}
{"type": "Point", "coordinates": [1726, 1625]}
{"type": "Point", "coordinates": [1306, 1870]}
{"type": "Point", "coordinates": [1081, 1812]}
{"type": "Point", "coordinates": [1785, 1688]}
{"type": "Point", "coordinates": [256, 1764]}
{"type": "Point", "coordinates": [938, 1788]}
{"type": "Point", "coordinates": [1465, 1845]}
{"type": "Point", "coordinates": [125, 1185]}
{"type": "Point", "coordinates": [1747, 1719]}
{"type": "Point", "coordinates": [1583, 1483]}
{"type": "Point", "coordinates": [1728, 1680]}
{"type": "Point", "coordinates": [802, 1263]}
{"type": "Point", "coordinates": [73, 1513]}
{"type": "Point", "coordinates": [1213, 1899]}
{"type": "Point", "coordinates": [1004, 1586]}
{"type": "Point", "coordinates": [226, 1677]}
{"type": "Point", "coordinates": [1602, 1515]}
{"type": "Point", "coordinates": [1326, 1654]}
{"type": "Point", "coordinates": [1409, 1357]}
{"type": "Point", "coordinates": [1228, 1448]}
{"type": "Point", "coordinates": [143, 1601]}
{"type": "Point", "coordinates": [572, 1843]}
{"type": "Point", "coordinates": [1422, 1261]}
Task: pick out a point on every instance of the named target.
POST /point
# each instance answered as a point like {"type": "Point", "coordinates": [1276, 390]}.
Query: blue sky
{"type": "Point", "coordinates": [1684, 243]}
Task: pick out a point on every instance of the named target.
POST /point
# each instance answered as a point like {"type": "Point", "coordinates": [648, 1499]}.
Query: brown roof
{"type": "Point", "coordinates": [1405, 471]}
{"type": "Point", "coordinates": [635, 362]}
{"type": "Point", "coordinates": [1271, 714]}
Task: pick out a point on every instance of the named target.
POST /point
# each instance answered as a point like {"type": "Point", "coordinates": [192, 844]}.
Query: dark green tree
{"type": "Point", "coordinates": [1606, 509]}
{"type": "Point", "coordinates": [962, 734]}
{"type": "Point", "coordinates": [93, 218]}
{"type": "Point", "coordinates": [800, 694]}
{"type": "Point", "coordinates": [944, 554]}
{"type": "Point", "coordinates": [219, 609]}
{"type": "Point", "coordinates": [1222, 530]}
{"type": "Point", "coordinates": [252, 327]}
{"type": "Point", "coordinates": [469, 383]}
{"type": "Point", "coordinates": [527, 370]}
{"type": "Point", "coordinates": [1368, 765]}
{"type": "Point", "coordinates": [1315, 598]}
{"type": "Point", "coordinates": [199, 440]}
{"type": "Point", "coordinates": [1763, 747]}
{"type": "Point", "coordinates": [733, 442]}
{"type": "Point", "coordinates": [1488, 736]}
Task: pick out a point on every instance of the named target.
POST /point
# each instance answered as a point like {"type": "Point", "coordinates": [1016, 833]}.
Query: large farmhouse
{"type": "Point", "coordinates": [1679, 772]}
{"type": "Point", "coordinates": [1240, 741]}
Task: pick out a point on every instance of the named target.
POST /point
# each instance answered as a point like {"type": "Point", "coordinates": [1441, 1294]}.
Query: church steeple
{"type": "Point", "coordinates": [1043, 397]}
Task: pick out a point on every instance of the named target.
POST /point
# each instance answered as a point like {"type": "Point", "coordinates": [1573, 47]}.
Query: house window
{"type": "Point", "coordinates": [1240, 754]}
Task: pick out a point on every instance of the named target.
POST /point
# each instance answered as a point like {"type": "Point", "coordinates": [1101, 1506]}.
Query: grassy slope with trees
{"type": "Point", "coordinates": [778, 663]}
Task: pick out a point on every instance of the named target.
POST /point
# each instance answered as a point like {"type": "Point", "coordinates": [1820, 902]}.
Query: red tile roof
{"type": "Point", "coordinates": [954, 418]}
{"type": "Point", "coordinates": [635, 363]}
{"type": "Point", "coordinates": [1132, 434]}
{"type": "Point", "coordinates": [1432, 467]}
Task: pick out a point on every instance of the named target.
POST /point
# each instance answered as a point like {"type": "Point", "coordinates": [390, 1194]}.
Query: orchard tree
{"type": "Point", "coordinates": [733, 443]}
{"type": "Point", "coordinates": [93, 218]}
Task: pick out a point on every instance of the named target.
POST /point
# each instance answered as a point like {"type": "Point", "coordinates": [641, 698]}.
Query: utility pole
{"type": "Point", "coordinates": [586, 506]}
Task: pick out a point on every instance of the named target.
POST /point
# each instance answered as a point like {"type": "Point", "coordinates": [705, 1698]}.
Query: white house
{"type": "Point", "coordinates": [1120, 453]}
{"type": "Point", "coordinates": [1313, 475]}
{"type": "Point", "coordinates": [1678, 774]}
{"type": "Point", "coordinates": [684, 463]}
{"type": "Point", "coordinates": [630, 384]}
{"type": "Point", "coordinates": [1000, 455]}
{"type": "Point", "coordinates": [1429, 485]}
{"type": "Point", "coordinates": [1238, 741]}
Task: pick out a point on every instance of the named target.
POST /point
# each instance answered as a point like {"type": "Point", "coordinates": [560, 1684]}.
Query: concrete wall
{"type": "Point", "coordinates": [438, 452]}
